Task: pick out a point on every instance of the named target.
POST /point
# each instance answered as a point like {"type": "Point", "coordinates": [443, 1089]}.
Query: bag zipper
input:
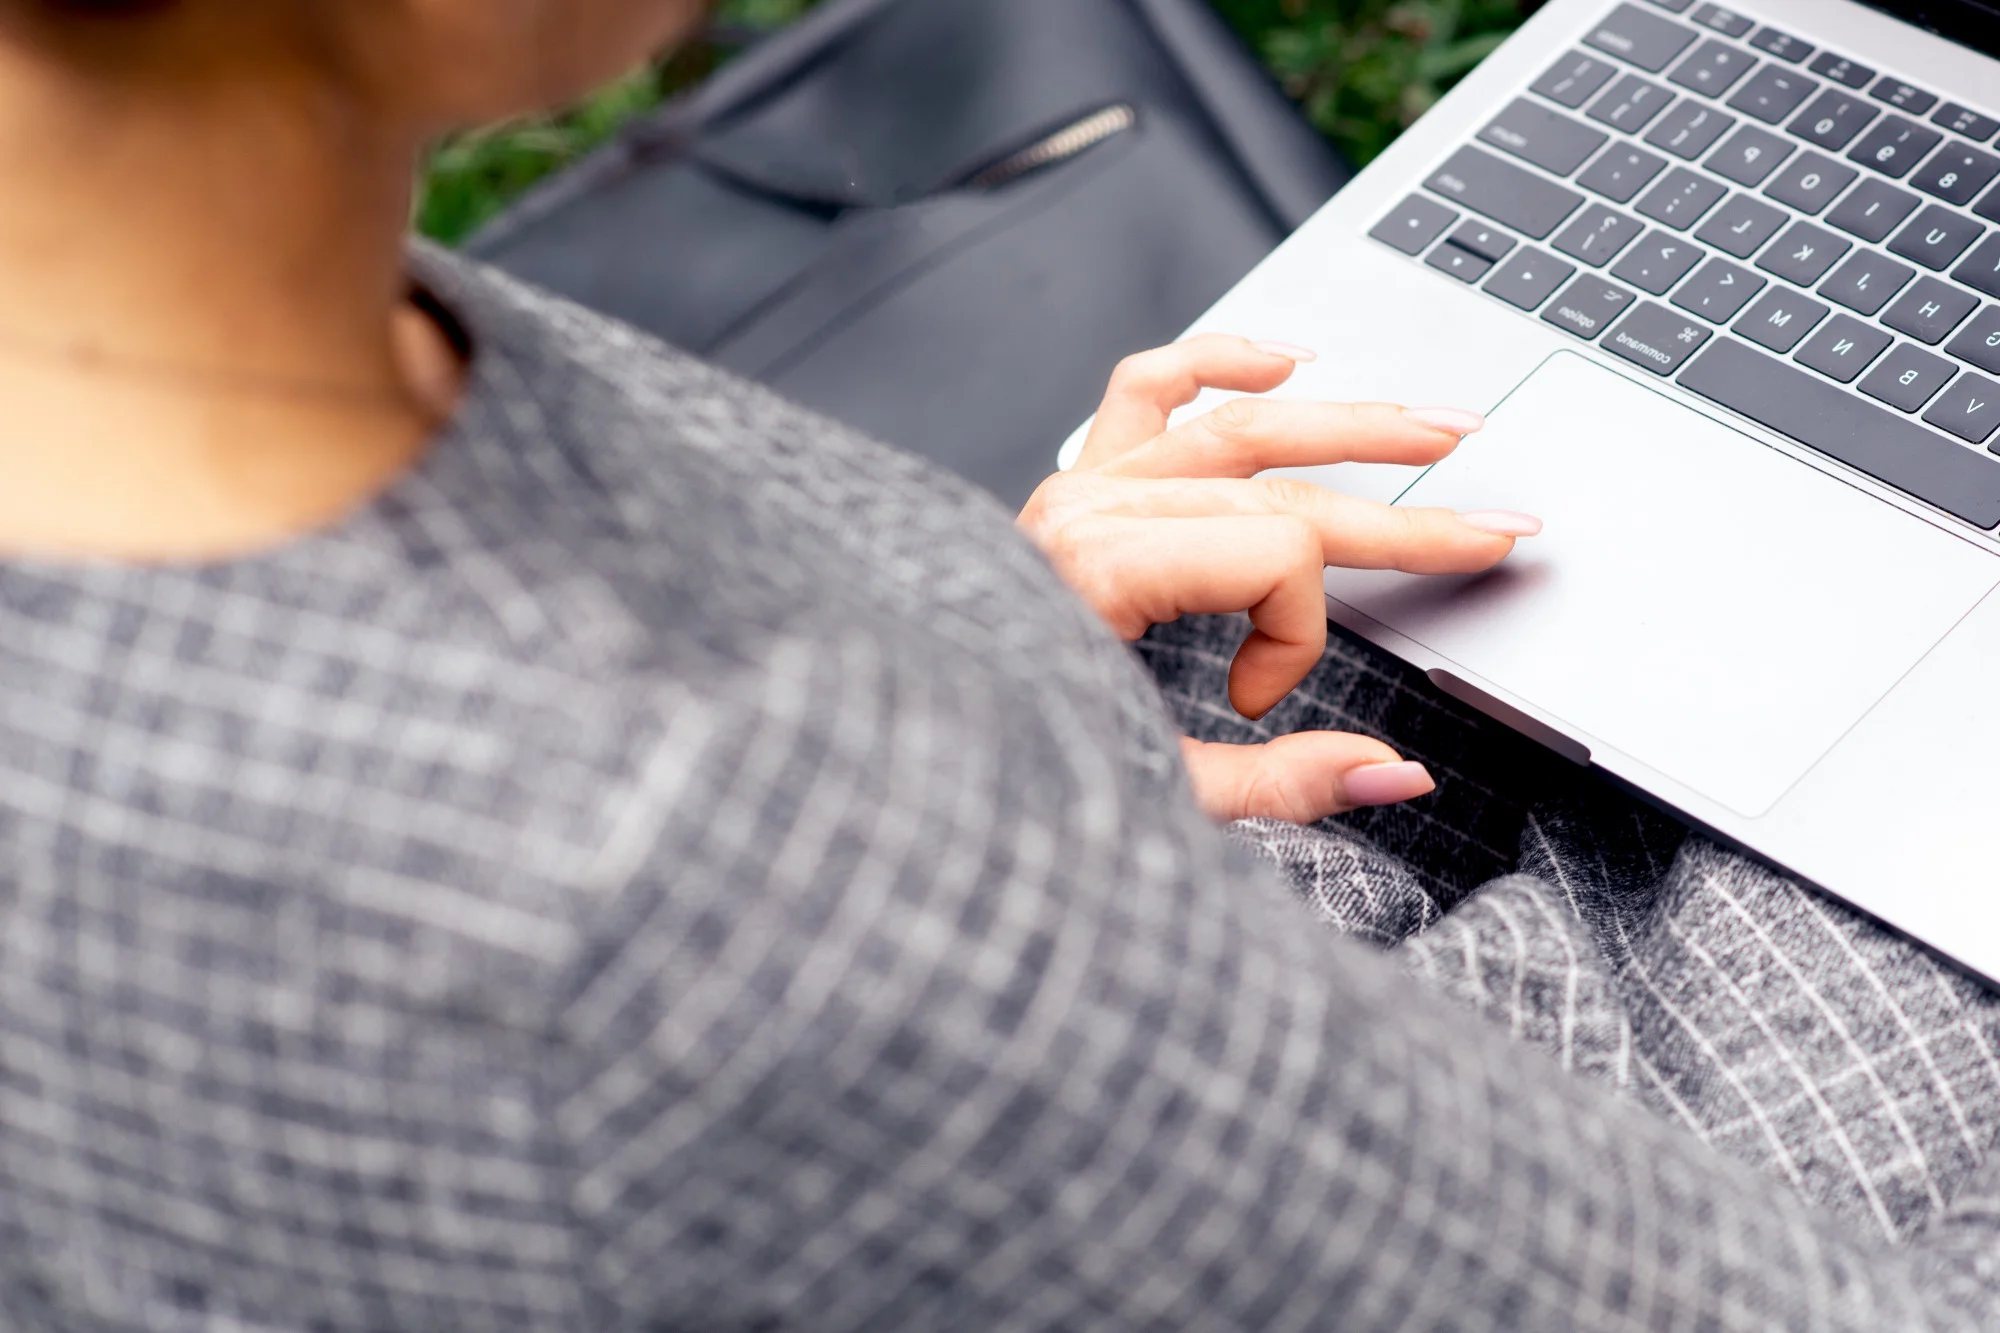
{"type": "Point", "coordinates": [1071, 141]}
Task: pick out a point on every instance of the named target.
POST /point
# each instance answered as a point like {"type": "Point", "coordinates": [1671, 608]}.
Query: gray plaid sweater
{"type": "Point", "coordinates": [671, 865]}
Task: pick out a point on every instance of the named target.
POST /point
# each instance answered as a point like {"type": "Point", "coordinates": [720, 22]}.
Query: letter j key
{"type": "Point", "coordinates": [1981, 268]}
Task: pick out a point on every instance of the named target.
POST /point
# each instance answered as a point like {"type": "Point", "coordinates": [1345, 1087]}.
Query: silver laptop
{"type": "Point", "coordinates": [1727, 283]}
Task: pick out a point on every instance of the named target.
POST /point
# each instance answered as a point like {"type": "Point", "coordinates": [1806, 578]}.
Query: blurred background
{"type": "Point", "coordinates": [1361, 71]}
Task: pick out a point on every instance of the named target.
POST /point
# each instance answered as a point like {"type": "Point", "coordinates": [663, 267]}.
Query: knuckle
{"type": "Point", "coordinates": [1069, 549]}
{"type": "Point", "coordinates": [1293, 495]}
{"type": "Point", "coordinates": [1263, 796]}
{"type": "Point", "coordinates": [1237, 420]}
{"type": "Point", "coordinates": [1139, 373]}
{"type": "Point", "coordinates": [1303, 539]}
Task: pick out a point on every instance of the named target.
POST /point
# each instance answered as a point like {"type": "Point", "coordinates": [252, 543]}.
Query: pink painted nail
{"type": "Point", "coordinates": [1289, 351]}
{"type": "Point", "coordinates": [1503, 523]}
{"type": "Point", "coordinates": [1388, 784]}
{"type": "Point", "coordinates": [1450, 420]}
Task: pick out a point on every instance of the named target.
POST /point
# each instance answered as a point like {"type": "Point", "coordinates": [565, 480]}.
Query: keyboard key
{"type": "Point", "coordinates": [1549, 139]}
{"type": "Point", "coordinates": [1891, 448]}
{"type": "Point", "coordinates": [1725, 21]}
{"type": "Point", "coordinates": [1416, 222]}
{"type": "Point", "coordinates": [1487, 242]}
{"type": "Point", "coordinates": [1866, 281]}
{"type": "Point", "coordinates": [1656, 338]}
{"type": "Point", "coordinates": [1681, 198]}
{"type": "Point", "coordinates": [1630, 105]}
{"type": "Point", "coordinates": [1811, 182]}
{"type": "Point", "coordinates": [1873, 209]}
{"type": "Point", "coordinates": [1598, 236]}
{"type": "Point", "coordinates": [1936, 237]}
{"type": "Point", "coordinates": [1803, 254]}
{"type": "Point", "coordinates": [1981, 268]}
{"type": "Point", "coordinates": [1713, 69]}
{"type": "Point", "coordinates": [1461, 264]}
{"type": "Point", "coordinates": [1833, 119]}
{"type": "Point", "coordinates": [1656, 263]}
{"type": "Point", "coordinates": [1674, 6]}
{"type": "Point", "coordinates": [1587, 306]}
{"type": "Point", "coordinates": [1511, 196]}
{"type": "Point", "coordinates": [1908, 378]}
{"type": "Point", "coordinates": [1842, 70]}
{"type": "Point", "coordinates": [1741, 226]}
{"type": "Point", "coordinates": [1773, 93]}
{"type": "Point", "coordinates": [1962, 120]}
{"type": "Point", "coordinates": [1980, 342]}
{"type": "Point", "coordinates": [1621, 172]}
{"type": "Point", "coordinates": [1895, 146]}
{"type": "Point", "coordinates": [1718, 291]}
{"type": "Point", "coordinates": [1690, 129]}
{"type": "Point", "coordinates": [1574, 79]}
{"type": "Point", "coordinates": [1989, 207]}
{"type": "Point", "coordinates": [1903, 97]}
{"type": "Point", "coordinates": [1782, 45]}
{"type": "Point", "coordinates": [1782, 318]}
{"type": "Point", "coordinates": [1930, 310]}
{"type": "Point", "coordinates": [1749, 155]}
{"type": "Point", "coordinates": [1956, 173]}
{"type": "Point", "coordinates": [1529, 278]}
{"type": "Point", "coordinates": [1646, 40]}
{"type": "Point", "coordinates": [1843, 348]}
{"type": "Point", "coordinates": [1970, 409]}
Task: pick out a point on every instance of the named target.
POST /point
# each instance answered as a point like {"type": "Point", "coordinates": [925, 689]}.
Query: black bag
{"type": "Point", "coordinates": [942, 221]}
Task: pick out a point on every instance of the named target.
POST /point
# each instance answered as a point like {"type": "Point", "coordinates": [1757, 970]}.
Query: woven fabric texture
{"type": "Point", "coordinates": [668, 864]}
{"type": "Point", "coordinates": [1773, 1023]}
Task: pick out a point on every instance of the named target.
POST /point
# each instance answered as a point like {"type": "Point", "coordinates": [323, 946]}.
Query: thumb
{"type": "Point", "coordinates": [1301, 779]}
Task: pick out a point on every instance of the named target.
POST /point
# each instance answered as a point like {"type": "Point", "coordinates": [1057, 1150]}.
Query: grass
{"type": "Point", "coordinates": [1360, 70]}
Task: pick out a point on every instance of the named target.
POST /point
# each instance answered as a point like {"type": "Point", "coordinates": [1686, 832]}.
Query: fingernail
{"type": "Point", "coordinates": [1503, 523]}
{"type": "Point", "coordinates": [1450, 420]}
{"type": "Point", "coordinates": [1388, 784]}
{"type": "Point", "coordinates": [1289, 351]}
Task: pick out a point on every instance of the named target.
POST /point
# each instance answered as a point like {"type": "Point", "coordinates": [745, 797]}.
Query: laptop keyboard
{"type": "Point", "coordinates": [1777, 228]}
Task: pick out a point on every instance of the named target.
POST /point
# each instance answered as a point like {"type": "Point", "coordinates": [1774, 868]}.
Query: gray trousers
{"type": "Point", "coordinates": [1777, 1025]}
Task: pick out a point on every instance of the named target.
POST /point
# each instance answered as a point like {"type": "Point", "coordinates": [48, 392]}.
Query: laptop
{"type": "Point", "coordinates": [1726, 281]}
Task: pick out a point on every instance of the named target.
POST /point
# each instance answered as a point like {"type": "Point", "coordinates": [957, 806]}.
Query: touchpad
{"type": "Point", "coordinates": [1701, 602]}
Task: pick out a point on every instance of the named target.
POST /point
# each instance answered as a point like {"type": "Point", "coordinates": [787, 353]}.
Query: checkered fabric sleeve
{"type": "Point", "coordinates": [670, 865]}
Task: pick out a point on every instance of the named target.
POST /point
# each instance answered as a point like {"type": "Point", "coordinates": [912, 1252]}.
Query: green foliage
{"type": "Point", "coordinates": [473, 176]}
{"type": "Point", "coordinates": [1362, 70]}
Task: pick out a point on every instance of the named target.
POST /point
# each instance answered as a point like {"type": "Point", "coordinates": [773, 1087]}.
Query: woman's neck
{"type": "Point", "coordinates": [205, 346]}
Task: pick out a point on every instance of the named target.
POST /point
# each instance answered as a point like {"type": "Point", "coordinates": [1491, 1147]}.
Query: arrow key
{"type": "Point", "coordinates": [1416, 222]}
{"type": "Point", "coordinates": [1489, 243]}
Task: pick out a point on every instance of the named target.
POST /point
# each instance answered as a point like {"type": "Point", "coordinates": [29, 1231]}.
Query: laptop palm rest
{"type": "Point", "coordinates": [1712, 608]}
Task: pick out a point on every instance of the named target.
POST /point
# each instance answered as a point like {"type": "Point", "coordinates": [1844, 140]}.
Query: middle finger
{"type": "Point", "coordinates": [1353, 533]}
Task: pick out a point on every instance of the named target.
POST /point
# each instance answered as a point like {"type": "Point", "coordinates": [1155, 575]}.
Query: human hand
{"type": "Point", "coordinates": [1155, 523]}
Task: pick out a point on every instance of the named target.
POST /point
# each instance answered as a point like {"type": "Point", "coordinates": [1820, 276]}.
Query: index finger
{"type": "Point", "coordinates": [1250, 435]}
{"type": "Point", "coordinates": [1148, 388]}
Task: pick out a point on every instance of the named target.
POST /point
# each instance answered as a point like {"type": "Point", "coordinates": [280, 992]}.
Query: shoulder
{"type": "Point", "coordinates": [702, 504]}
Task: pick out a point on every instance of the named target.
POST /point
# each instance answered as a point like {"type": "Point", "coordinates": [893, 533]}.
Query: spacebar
{"type": "Point", "coordinates": [1887, 446]}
